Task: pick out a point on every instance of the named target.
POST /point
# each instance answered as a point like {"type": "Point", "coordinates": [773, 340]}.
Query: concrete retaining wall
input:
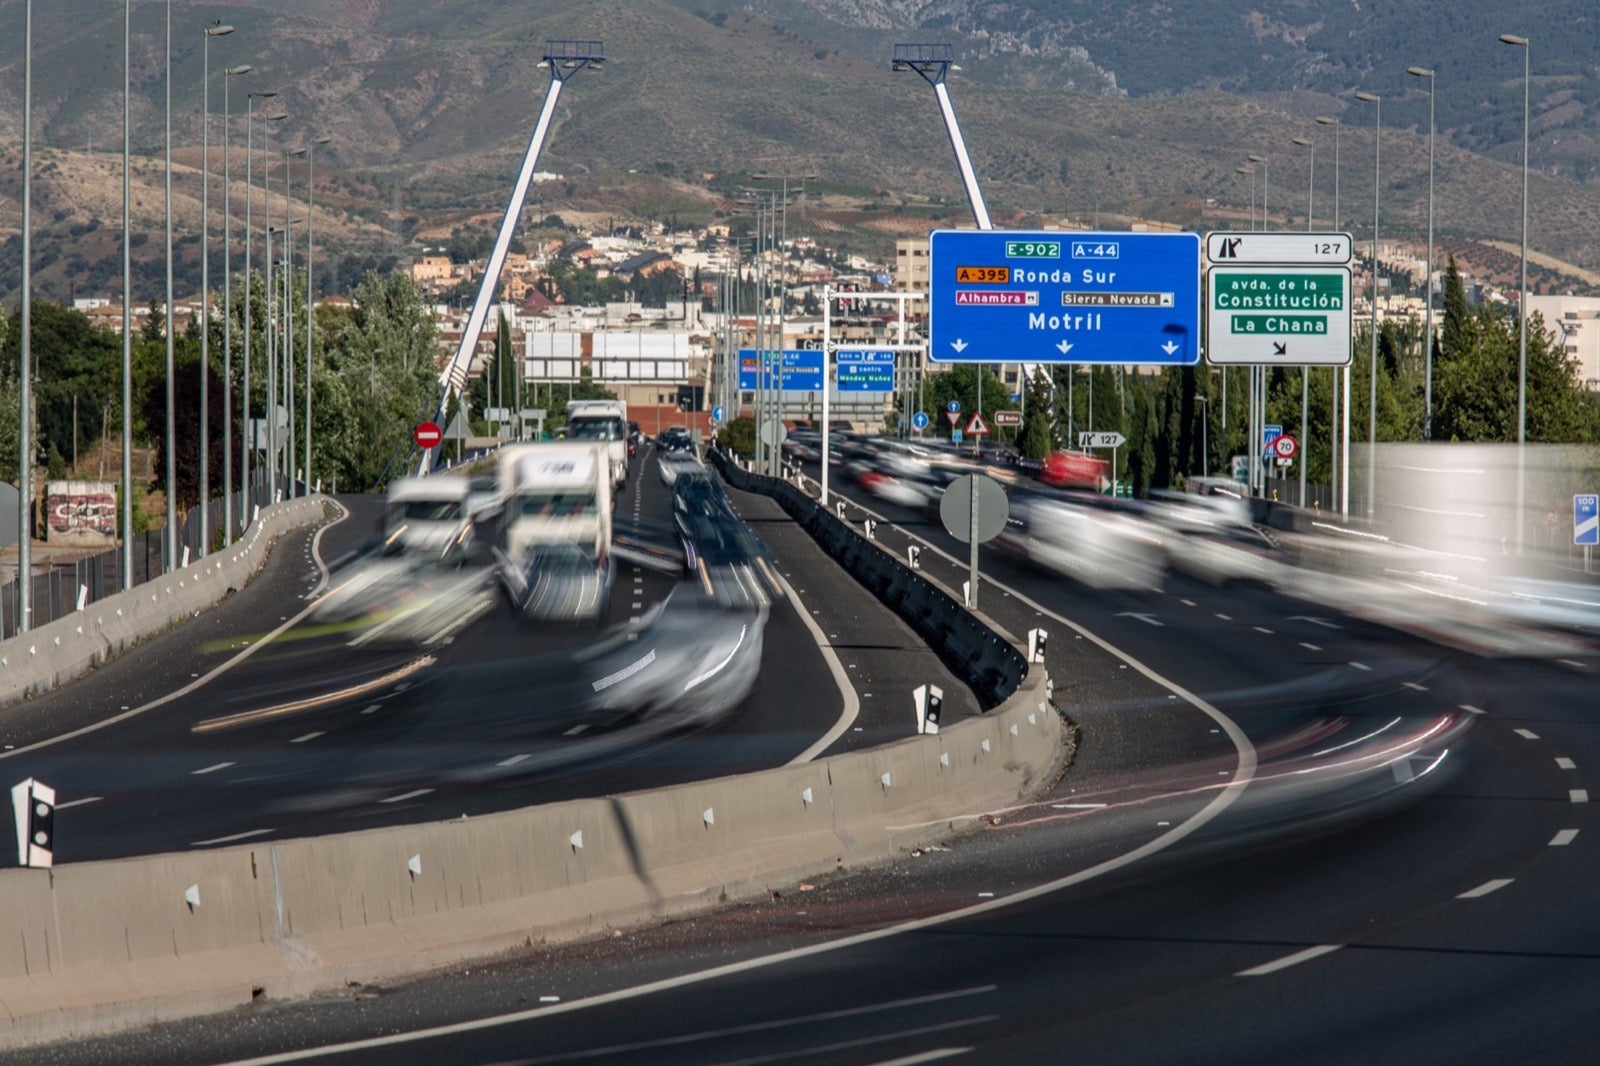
{"type": "Point", "coordinates": [68, 647]}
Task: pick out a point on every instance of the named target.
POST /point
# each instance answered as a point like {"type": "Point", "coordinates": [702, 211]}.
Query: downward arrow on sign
{"type": "Point", "coordinates": [959, 345]}
{"type": "Point", "coordinates": [1064, 347]}
{"type": "Point", "coordinates": [1169, 347]}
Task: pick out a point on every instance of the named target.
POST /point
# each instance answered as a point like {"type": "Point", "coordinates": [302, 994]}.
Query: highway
{"type": "Point", "coordinates": [181, 744]}
{"type": "Point", "coordinates": [1196, 888]}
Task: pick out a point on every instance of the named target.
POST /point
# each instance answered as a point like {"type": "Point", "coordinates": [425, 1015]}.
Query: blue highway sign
{"type": "Point", "coordinates": [802, 370]}
{"type": "Point", "coordinates": [1586, 519]}
{"type": "Point", "coordinates": [865, 370]}
{"type": "Point", "coordinates": [1007, 296]}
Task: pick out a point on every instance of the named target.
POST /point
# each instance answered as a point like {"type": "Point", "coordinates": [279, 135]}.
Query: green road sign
{"type": "Point", "coordinates": [1278, 315]}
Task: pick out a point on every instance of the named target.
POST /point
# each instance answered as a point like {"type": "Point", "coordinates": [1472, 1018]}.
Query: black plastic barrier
{"type": "Point", "coordinates": [973, 652]}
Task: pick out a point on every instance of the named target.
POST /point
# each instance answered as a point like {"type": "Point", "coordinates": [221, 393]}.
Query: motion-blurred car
{"type": "Point", "coordinates": [1095, 544]}
{"type": "Point", "coordinates": [675, 463]}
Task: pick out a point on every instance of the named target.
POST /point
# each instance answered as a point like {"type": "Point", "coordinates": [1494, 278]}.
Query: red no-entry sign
{"type": "Point", "coordinates": [427, 434]}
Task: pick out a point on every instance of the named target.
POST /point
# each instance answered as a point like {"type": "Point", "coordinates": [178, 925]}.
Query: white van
{"type": "Point", "coordinates": [604, 422]}
{"type": "Point", "coordinates": [427, 516]}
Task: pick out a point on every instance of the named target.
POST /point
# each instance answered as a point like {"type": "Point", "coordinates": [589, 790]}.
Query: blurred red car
{"type": "Point", "coordinates": [1075, 470]}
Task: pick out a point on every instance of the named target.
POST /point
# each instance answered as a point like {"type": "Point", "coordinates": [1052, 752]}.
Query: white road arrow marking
{"type": "Point", "coordinates": [1064, 347]}
{"type": "Point", "coordinates": [959, 345]}
{"type": "Point", "coordinates": [1147, 619]}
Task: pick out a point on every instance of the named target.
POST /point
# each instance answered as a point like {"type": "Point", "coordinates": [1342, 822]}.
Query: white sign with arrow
{"type": "Point", "coordinates": [1101, 440]}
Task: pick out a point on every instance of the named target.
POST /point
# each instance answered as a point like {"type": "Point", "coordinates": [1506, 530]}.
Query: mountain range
{"type": "Point", "coordinates": [1070, 109]}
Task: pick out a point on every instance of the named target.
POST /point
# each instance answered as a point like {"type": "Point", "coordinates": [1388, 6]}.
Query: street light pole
{"type": "Point", "coordinates": [25, 368]}
{"type": "Point", "coordinates": [227, 314]}
{"type": "Point", "coordinates": [1372, 374]}
{"type": "Point", "coordinates": [1522, 305]}
{"type": "Point", "coordinates": [216, 30]}
{"type": "Point", "coordinates": [1305, 371]}
{"type": "Point", "coordinates": [172, 403]}
{"type": "Point", "coordinates": [1265, 179]}
{"type": "Point", "coordinates": [269, 413]}
{"type": "Point", "coordinates": [1427, 284]}
{"type": "Point", "coordinates": [127, 298]}
{"type": "Point", "coordinates": [1340, 477]}
{"type": "Point", "coordinates": [311, 303]}
{"type": "Point", "coordinates": [288, 309]}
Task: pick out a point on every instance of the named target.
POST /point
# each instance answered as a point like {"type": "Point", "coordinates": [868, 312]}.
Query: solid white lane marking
{"type": "Point", "coordinates": [1572, 662]}
{"type": "Point", "coordinates": [847, 690]}
{"type": "Point", "coordinates": [1078, 806]}
{"type": "Point", "coordinates": [1289, 960]}
{"type": "Point", "coordinates": [85, 801]}
{"type": "Point", "coordinates": [288, 623]}
{"type": "Point", "coordinates": [1561, 760]}
{"type": "Point", "coordinates": [1413, 686]}
{"type": "Point", "coordinates": [1526, 734]}
{"type": "Point", "coordinates": [1487, 887]}
{"type": "Point", "coordinates": [514, 759]}
{"type": "Point", "coordinates": [1578, 795]}
{"type": "Point", "coordinates": [213, 768]}
{"type": "Point", "coordinates": [413, 794]}
{"type": "Point", "coordinates": [229, 839]}
{"type": "Point", "coordinates": [1310, 647]}
{"type": "Point", "coordinates": [308, 737]}
{"type": "Point", "coordinates": [1470, 709]}
{"type": "Point", "coordinates": [1360, 666]}
{"type": "Point", "coordinates": [1560, 840]}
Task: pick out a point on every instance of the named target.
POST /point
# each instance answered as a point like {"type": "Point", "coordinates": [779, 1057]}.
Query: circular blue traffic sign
{"type": "Point", "coordinates": [920, 420]}
{"type": "Point", "coordinates": [954, 407]}
{"type": "Point", "coordinates": [716, 413]}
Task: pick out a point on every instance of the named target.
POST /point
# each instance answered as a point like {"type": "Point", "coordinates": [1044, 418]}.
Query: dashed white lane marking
{"type": "Point", "coordinates": [1526, 734]}
{"type": "Point", "coordinates": [1561, 760]}
{"type": "Point", "coordinates": [1470, 709]}
{"type": "Point", "coordinates": [1224, 617]}
{"type": "Point", "coordinates": [1309, 646]}
{"type": "Point", "coordinates": [373, 708]}
{"type": "Point", "coordinates": [308, 737]}
{"type": "Point", "coordinates": [1187, 603]}
{"type": "Point", "coordinates": [246, 835]}
{"type": "Point", "coordinates": [1578, 795]}
{"type": "Point", "coordinates": [514, 759]}
{"type": "Point", "coordinates": [1413, 686]}
{"type": "Point", "coordinates": [85, 801]}
{"type": "Point", "coordinates": [1360, 666]}
{"type": "Point", "coordinates": [1262, 629]}
{"type": "Point", "coordinates": [413, 794]}
{"type": "Point", "coordinates": [1487, 887]}
{"type": "Point", "coordinates": [575, 730]}
{"type": "Point", "coordinates": [1560, 840]}
{"type": "Point", "coordinates": [213, 768]}
{"type": "Point", "coordinates": [1572, 662]}
{"type": "Point", "coordinates": [1290, 960]}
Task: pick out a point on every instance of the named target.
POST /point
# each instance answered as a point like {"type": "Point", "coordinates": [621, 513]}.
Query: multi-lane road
{"type": "Point", "coordinates": [1287, 834]}
{"type": "Point", "coordinates": [268, 719]}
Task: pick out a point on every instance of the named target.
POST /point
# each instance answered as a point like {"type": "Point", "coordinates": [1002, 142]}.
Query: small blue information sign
{"type": "Point", "coordinates": [1586, 519]}
{"type": "Point", "coordinates": [802, 370]}
{"type": "Point", "coordinates": [865, 370]}
{"type": "Point", "coordinates": [998, 296]}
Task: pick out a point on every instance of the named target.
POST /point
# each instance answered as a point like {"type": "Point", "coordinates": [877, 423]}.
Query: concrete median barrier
{"type": "Point", "coordinates": [68, 647]}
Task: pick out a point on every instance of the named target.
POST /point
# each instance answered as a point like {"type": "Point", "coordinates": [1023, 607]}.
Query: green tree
{"type": "Point", "coordinates": [1036, 438]}
{"type": "Point", "coordinates": [374, 382]}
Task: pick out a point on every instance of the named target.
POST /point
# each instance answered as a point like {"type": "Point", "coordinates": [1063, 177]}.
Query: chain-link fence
{"type": "Point", "coordinates": [59, 590]}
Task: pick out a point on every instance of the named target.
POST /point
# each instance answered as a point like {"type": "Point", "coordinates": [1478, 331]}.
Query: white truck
{"type": "Point", "coordinates": [604, 422]}
{"type": "Point", "coordinates": [554, 553]}
{"type": "Point", "coordinates": [427, 516]}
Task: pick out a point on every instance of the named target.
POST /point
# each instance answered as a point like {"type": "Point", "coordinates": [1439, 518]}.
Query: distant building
{"type": "Point", "coordinates": [1575, 322]}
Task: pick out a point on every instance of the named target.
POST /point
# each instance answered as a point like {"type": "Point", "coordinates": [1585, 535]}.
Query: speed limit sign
{"type": "Point", "coordinates": [1285, 447]}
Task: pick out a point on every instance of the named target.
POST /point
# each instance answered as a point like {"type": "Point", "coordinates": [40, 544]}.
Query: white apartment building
{"type": "Point", "coordinates": [1575, 323]}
